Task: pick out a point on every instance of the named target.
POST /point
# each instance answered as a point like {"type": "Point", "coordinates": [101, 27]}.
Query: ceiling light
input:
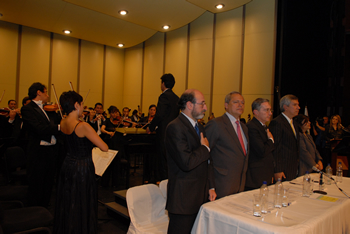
{"type": "Point", "coordinates": [120, 45]}
{"type": "Point", "coordinates": [67, 31]}
{"type": "Point", "coordinates": [166, 27]}
{"type": "Point", "coordinates": [123, 12]}
{"type": "Point", "coordinates": [219, 6]}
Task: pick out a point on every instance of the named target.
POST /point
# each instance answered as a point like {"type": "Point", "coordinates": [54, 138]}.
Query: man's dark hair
{"type": "Point", "coordinates": [34, 88]}
{"type": "Point", "coordinates": [25, 99]}
{"type": "Point", "coordinates": [169, 80]}
{"type": "Point", "coordinates": [98, 104]}
{"type": "Point", "coordinates": [8, 103]}
{"type": "Point", "coordinates": [68, 99]}
{"type": "Point", "coordinates": [186, 97]}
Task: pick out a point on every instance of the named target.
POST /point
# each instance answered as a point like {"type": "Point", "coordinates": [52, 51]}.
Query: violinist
{"type": "Point", "coordinates": [25, 101]}
{"type": "Point", "coordinates": [114, 142]}
{"type": "Point", "coordinates": [144, 122]}
{"type": "Point", "coordinates": [127, 122]}
{"type": "Point", "coordinates": [108, 126]}
{"type": "Point", "coordinates": [96, 118]}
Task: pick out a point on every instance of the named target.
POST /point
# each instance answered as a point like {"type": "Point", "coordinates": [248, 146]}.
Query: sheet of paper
{"type": "Point", "coordinates": [102, 159]}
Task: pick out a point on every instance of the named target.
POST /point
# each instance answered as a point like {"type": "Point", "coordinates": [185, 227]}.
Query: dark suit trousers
{"type": "Point", "coordinates": [41, 172]}
{"type": "Point", "coordinates": [181, 223]}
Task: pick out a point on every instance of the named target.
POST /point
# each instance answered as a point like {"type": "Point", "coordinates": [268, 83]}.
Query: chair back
{"type": "Point", "coordinates": [146, 206]}
{"type": "Point", "coordinates": [164, 187]}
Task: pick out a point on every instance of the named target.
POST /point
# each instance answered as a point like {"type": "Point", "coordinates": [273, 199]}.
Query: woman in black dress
{"type": "Point", "coordinates": [76, 203]}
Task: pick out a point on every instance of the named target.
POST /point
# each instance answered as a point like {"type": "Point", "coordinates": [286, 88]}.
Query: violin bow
{"type": "Point", "coordinates": [3, 93]}
{"type": "Point", "coordinates": [84, 100]}
{"type": "Point", "coordinates": [71, 86]}
{"type": "Point", "coordinates": [59, 107]}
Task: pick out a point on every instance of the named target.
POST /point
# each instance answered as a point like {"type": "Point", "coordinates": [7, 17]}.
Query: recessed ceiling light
{"type": "Point", "coordinates": [120, 45]}
{"type": "Point", "coordinates": [67, 31]}
{"type": "Point", "coordinates": [123, 12]}
{"type": "Point", "coordinates": [166, 27]}
{"type": "Point", "coordinates": [219, 6]}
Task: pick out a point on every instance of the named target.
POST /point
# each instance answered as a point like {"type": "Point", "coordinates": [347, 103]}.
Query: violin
{"type": "Point", "coordinates": [116, 121]}
{"type": "Point", "coordinates": [4, 111]}
{"type": "Point", "coordinates": [50, 107]}
{"type": "Point", "coordinates": [150, 118]}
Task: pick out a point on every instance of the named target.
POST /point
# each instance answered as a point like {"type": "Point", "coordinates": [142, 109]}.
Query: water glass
{"type": "Point", "coordinates": [285, 197]}
{"type": "Point", "coordinates": [257, 205]}
{"type": "Point", "coordinates": [264, 203]}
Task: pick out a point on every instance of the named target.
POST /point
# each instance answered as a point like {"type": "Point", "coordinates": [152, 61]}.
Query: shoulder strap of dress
{"type": "Point", "coordinates": [76, 126]}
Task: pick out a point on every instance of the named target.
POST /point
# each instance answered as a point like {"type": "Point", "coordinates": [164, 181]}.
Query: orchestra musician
{"type": "Point", "coordinates": [114, 142]}
{"type": "Point", "coordinates": [145, 121]}
{"type": "Point", "coordinates": [127, 121]}
{"type": "Point", "coordinates": [96, 117]}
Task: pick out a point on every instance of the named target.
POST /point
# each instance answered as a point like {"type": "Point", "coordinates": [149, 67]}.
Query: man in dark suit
{"type": "Point", "coordinates": [260, 163]}
{"type": "Point", "coordinates": [167, 110]}
{"type": "Point", "coordinates": [190, 168]}
{"type": "Point", "coordinates": [42, 128]}
{"type": "Point", "coordinates": [286, 136]}
{"type": "Point", "coordinates": [228, 139]}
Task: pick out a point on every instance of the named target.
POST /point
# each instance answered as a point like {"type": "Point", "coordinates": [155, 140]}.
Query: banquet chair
{"type": "Point", "coordinates": [18, 219]}
{"type": "Point", "coordinates": [146, 206]}
{"type": "Point", "coordinates": [163, 187]}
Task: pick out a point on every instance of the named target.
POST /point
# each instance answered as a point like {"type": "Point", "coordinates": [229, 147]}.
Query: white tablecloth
{"type": "Point", "coordinates": [233, 214]}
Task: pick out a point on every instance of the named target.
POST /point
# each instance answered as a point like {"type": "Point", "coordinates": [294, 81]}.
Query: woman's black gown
{"type": "Point", "coordinates": [76, 202]}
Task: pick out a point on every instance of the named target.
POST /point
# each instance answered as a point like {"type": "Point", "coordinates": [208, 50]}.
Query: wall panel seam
{"type": "Point", "coordinates": [242, 48]}
{"type": "Point", "coordinates": [50, 66]}
{"type": "Point", "coordinates": [18, 68]}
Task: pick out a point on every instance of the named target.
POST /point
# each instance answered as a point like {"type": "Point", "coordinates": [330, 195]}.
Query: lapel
{"type": "Point", "coordinates": [39, 110]}
{"type": "Point", "coordinates": [261, 128]}
{"type": "Point", "coordinates": [287, 126]}
{"type": "Point", "coordinates": [231, 131]}
{"type": "Point", "coordinates": [188, 125]}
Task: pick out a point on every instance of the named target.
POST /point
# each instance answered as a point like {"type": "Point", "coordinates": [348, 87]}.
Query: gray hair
{"type": "Point", "coordinates": [228, 96]}
{"type": "Point", "coordinates": [286, 100]}
{"type": "Point", "coordinates": [256, 105]}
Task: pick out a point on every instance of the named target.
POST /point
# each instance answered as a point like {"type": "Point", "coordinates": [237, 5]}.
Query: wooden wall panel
{"type": "Point", "coordinates": [153, 70]}
{"type": "Point", "coordinates": [114, 82]}
{"type": "Point", "coordinates": [64, 63]}
{"type": "Point", "coordinates": [91, 72]}
{"type": "Point", "coordinates": [228, 54]}
{"type": "Point", "coordinates": [176, 57]}
{"type": "Point", "coordinates": [34, 60]}
{"type": "Point", "coordinates": [133, 76]}
{"type": "Point", "coordinates": [259, 51]}
{"type": "Point", "coordinates": [200, 55]}
{"type": "Point", "coordinates": [8, 61]}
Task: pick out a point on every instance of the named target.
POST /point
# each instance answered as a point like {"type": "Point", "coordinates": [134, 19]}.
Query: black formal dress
{"type": "Point", "coordinates": [76, 203]}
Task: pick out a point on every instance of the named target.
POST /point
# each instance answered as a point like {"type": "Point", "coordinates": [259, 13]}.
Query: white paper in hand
{"type": "Point", "coordinates": [102, 159]}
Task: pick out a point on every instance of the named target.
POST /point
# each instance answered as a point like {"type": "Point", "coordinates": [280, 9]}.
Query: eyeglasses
{"type": "Point", "coordinates": [268, 110]}
{"type": "Point", "coordinates": [201, 103]}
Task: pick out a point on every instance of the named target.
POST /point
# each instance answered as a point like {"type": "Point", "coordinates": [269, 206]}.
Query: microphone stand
{"type": "Point", "coordinates": [330, 177]}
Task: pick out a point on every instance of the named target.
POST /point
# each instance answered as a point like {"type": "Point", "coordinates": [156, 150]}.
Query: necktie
{"type": "Point", "coordinates": [291, 125]}
{"type": "Point", "coordinates": [240, 138]}
{"type": "Point", "coordinates": [265, 127]}
{"type": "Point", "coordinates": [197, 129]}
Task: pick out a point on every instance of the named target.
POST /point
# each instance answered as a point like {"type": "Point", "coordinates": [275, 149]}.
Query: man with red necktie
{"type": "Point", "coordinates": [228, 139]}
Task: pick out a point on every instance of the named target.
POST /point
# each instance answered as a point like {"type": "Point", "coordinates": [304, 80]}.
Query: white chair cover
{"type": "Point", "coordinates": [163, 187]}
{"type": "Point", "coordinates": [146, 206]}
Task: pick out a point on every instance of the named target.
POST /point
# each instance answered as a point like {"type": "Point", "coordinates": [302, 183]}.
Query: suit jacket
{"type": "Point", "coordinates": [230, 163]}
{"type": "Point", "coordinates": [309, 156]}
{"type": "Point", "coordinates": [190, 172]}
{"type": "Point", "coordinates": [286, 153]}
{"type": "Point", "coordinates": [167, 110]}
{"type": "Point", "coordinates": [38, 126]}
{"type": "Point", "coordinates": [260, 163]}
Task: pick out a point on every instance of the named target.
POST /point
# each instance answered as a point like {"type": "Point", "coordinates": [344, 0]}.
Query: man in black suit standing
{"type": "Point", "coordinates": [42, 128]}
{"type": "Point", "coordinates": [286, 136]}
{"type": "Point", "coordinates": [167, 110]}
{"type": "Point", "coordinates": [190, 168]}
{"type": "Point", "coordinates": [229, 144]}
{"type": "Point", "coordinates": [260, 163]}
